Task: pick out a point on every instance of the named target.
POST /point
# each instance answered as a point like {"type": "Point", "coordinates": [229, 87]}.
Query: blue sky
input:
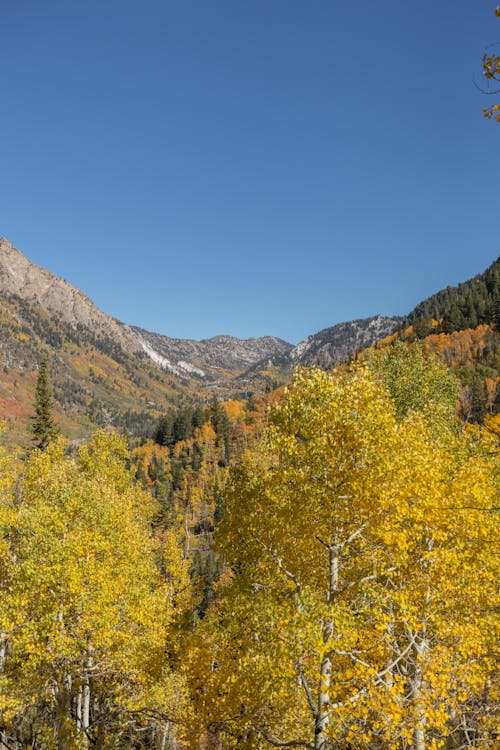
{"type": "Point", "coordinates": [249, 167]}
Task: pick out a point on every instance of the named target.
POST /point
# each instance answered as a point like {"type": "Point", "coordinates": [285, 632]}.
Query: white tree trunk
{"type": "Point", "coordinates": [86, 697]}
{"type": "Point", "coordinates": [3, 651]}
{"type": "Point", "coordinates": [79, 711]}
{"type": "Point", "coordinates": [323, 715]}
{"type": "Point", "coordinates": [417, 683]}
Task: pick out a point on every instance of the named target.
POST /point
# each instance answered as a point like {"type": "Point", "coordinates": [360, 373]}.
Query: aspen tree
{"type": "Point", "coordinates": [96, 597]}
{"type": "Point", "coordinates": [358, 608]}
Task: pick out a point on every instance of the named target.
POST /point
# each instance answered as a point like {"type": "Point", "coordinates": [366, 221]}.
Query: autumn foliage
{"type": "Point", "coordinates": [491, 71]}
{"type": "Point", "coordinates": [358, 608]}
{"type": "Point", "coordinates": [330, 584]}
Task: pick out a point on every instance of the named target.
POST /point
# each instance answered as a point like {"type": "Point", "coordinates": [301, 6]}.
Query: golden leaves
{"type": "Point", "coordinates": [365, 474]}
{"type": "Point", "coordinates": [84, 582]}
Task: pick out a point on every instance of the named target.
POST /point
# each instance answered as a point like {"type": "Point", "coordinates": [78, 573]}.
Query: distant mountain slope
{"type": "Point", "coordinates": [96, 382]}
{"type": "Point", "coordinates": [65, 303]}
{"type": "Point", "coordinates": [104, 372]}
{"type": "Point", "coordinates": [224, 352]}
{"type": "Point", "coordinates": [457, 308]}
{"type": "Point", "coordinates": [338, 343]}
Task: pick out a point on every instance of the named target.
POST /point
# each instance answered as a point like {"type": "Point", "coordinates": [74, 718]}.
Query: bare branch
{"type": "Point", "coordinates": [283, 743]}
{"type": "Point", "coordinates": [305, 685]}
{"type": "Point", "coordinates": [353, 536]}
{"type": "Point", "coordinates": [279, 562]}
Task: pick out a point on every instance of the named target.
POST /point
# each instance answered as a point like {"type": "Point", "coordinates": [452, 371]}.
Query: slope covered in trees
{"type": "Point", "coordinates": [96, 383]}
{"type": "Point", "coordinates": [348, 600]}
{"type": "Point", "coordinates": [472, 354]}
{"type": "Point", "coordinates": [467, 305]}
{"type": "Point", "coordinates": [358, 609]}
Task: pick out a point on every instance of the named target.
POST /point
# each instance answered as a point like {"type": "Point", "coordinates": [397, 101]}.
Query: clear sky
{"type": "Point", "coordinates": [249, 166]}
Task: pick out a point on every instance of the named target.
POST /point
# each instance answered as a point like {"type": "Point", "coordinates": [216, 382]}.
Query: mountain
{"type": "Point", "coordinates": [339, 342]}
{"type": "Point", "coordinates": [207, 357]}
{"type": "Point", "coordinates": [456, 308]}
{"type": "Point", "coordinates": [67, 304]}
{"type": "Point", "coordinates": [58, 312]}
{"type": "Point", "coordinates": [62, 301]}
{"type": "Point", "coordinates": [103, 371]}
{"type": "Point", "coordinates": [107, 372]}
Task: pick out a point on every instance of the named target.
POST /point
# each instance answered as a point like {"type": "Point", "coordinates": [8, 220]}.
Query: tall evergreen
{"type": "Point", "coordinates": [44, 429]}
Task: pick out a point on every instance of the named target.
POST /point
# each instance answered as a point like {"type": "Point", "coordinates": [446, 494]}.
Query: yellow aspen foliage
{"type": "Point", "coordinates": [96, 598]}
{"type": "Point", "coordinates": [360, 608]}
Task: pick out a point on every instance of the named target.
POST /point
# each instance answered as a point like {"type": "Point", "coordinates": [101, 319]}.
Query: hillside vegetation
{"type": "Point", "coordinates": [467, 305]}
{"type": "Point", "coordinates": [327, 580]}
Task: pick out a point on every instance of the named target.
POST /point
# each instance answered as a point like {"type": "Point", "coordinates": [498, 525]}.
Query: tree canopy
{"type": "Point", "coordinates": [89, 602]}
{"type": "Point", "coordinates": [358, 606]}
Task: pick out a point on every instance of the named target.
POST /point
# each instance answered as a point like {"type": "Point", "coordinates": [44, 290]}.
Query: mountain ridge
{"type": "Point", "coordinates": [55, 295]}
{"type": "Point", "coordinates": [207, 358]}
{"type": "Point", "coordinates": [107, 372]}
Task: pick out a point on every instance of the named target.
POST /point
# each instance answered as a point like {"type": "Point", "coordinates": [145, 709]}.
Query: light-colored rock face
{"type": "Point", "coordinates": [335, 344]}
{"type": "Point", "coordinates": [18, 275]}
{"type": "Point", "coordinates": [226, 352]}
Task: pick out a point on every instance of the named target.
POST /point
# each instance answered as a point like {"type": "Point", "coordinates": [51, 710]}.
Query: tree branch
{"type": "Point", "coordinates": [279, 562]}
{"type": "Point", "coordinates": [283, 743]}
{"type": "Point", "coordinates": [307, 689]}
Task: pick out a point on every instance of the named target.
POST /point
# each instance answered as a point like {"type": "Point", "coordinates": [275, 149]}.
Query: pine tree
{"type": "Point", "coordinates": [44, 429]}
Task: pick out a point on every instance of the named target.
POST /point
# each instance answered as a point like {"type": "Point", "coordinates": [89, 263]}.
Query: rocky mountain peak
{"type": "Point", "coordinates": [336, 343]}
{"type": "Point", "coordinates": [18, 275]}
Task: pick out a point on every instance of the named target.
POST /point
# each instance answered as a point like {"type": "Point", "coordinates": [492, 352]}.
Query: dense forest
{"type": "Point", "coordinates": [311, 568]}
{"type": "Point", "coordinates": [467, 305]}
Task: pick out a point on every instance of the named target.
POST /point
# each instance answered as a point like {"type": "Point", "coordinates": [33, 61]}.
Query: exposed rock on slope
{"type": "Point", "coordinates": [332, 345]}
{"type": "Point", "coordinates": [61, 300]}
{"type": "Point", "coordinates": [224, 352]}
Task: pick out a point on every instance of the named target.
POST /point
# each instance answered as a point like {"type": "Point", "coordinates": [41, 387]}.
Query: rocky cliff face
{"type": "Point", "coordinates": [61, 300]}
{"type": "Point", "coordinates": [221, 352]}
{"type": "Point", "coordinates": [338, 343]}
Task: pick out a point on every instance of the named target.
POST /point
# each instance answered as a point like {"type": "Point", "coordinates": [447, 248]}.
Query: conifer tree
{"type": "Point", "coordinates": [44, 429]}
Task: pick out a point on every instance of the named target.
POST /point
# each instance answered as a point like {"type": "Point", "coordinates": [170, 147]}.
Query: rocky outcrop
{"type": "Point", "coordinates": [222, 352]}
{"type": "Point", "coordinates": [18, 275]}
{"type": "Point", "coordinates": [338, 343]}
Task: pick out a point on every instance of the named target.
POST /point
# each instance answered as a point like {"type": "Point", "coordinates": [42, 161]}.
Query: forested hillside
{"type": "Point", "coordinates": [96, 382]}
{"type": "Point", "coordinates": [327, 579]}
{"type": "Point", "coordinates": [106, 373]}
{"type": "Point", "coordinates": [325, 546]}
{"type": "Point", "coordinates": [467, 305]}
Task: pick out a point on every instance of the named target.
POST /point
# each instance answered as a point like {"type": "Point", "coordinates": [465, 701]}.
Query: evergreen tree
{"type": "Point", "coordinates": [44, 429]}
{"type": "Point", "coordinates": [222, 426]}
